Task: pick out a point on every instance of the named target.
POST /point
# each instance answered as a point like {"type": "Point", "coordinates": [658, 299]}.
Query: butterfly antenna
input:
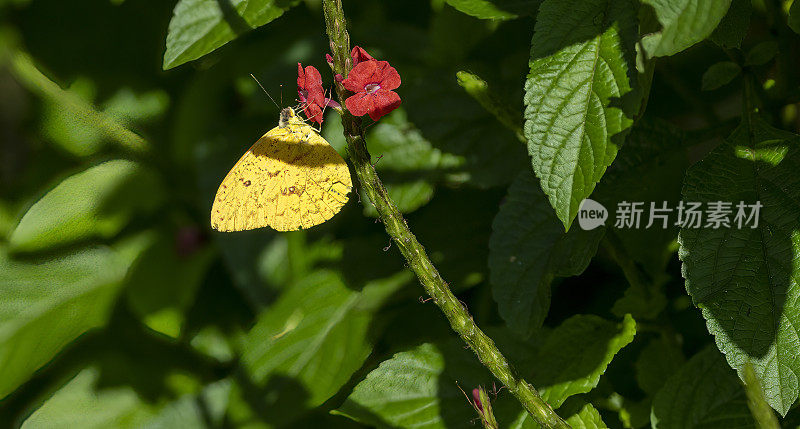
{"type": "Point", "coordinates": [265, 91]}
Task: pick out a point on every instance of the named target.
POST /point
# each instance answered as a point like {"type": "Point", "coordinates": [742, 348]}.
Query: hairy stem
{"type": "Point", "coordinates": [460, 320]}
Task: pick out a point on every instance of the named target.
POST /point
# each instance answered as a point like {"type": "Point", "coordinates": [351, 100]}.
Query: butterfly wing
{"type": "Point", "coordinates": [290, 179]}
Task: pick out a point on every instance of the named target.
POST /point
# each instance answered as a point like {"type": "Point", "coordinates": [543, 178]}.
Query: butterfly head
{"type": "Point", "coordinates": [287, 117]}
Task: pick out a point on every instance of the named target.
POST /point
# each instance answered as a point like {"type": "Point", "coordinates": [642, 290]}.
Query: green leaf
{"type": "Point", "coordinates": [720, 74]}
{"type": "Point", "coordinates": [417, 388]}
{"type": "Point", "coordinates": [745, 280]}
{"type": "Point", "coordinates": [761, 53]}
{"type": "Point", "coordinates": [420, 387]}
{"type": "Point", "coordinates": [409, 165]}
{"type": "Point", "coordinates": [683, 22]}
{"type": "Point", "coordinates": [316, 334]}
{"type": "Point", "coordinates": [492, 154]}
{"type": "Point", "coordinates": [479, 90]}
{"type": "Point", "coordinates": [656, 363]}
{"type": "Point", "coordinates": [496, 9]}
{"type": "Point", "coordinates": [705, 393]}
{"type": "Point", "coordinates": [72, 132]}
{"type": "Point", "coordinates": [80, 404]}
{"type": "Point", "coordinates": [794, 17]}
{"type": "Point", "coordinates": [576, 354]}
{"type": "Point", "coordinates": [78, 134]}
{"type": "Point", "coordinates": [162, 284]}
{"type": "Point", "coordinates": [453, 36]}
{"type": "Point", "coordinates": [649, 169]}
{"type": "Point", "coordinates": [527, 249]}
{"type": "Point", "coordinates": [83, 403]}
{"type": "Point", "coordinates": [734, 25]}
{"type": "Point", "coordinates": [95, 203]}
{"type": "Point", "coordinates": [201, 26]}
{"type": "Point", "coordinates": [206, 408]}
{"type": "Point", "coordinates": [45, 304]}
{"type": "Point", "coordinates": [580, 414]}
{"type": "Point", "coordinates": [7, 220]}
{"type": "Point", "coordinates": [578, 99]}
{"type": "Point", "coordinates": [84, 114]}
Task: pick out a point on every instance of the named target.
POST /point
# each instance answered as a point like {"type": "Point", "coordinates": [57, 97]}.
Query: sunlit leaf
{"type": "Point", "coordinates": [79, 404]}
{"type": "Point", "coordinates": [201, 26]}
{"type": "Point", "coordinates": [95, 203]}
{"type": "Point", "coordinates": [420, 387]}
{"type": "Point", "coordinates": [416, 388]}
{"type": "Point", "coordinates": [313, 338]}
{"type": "Point", "coordinates": [491, 153]}
{"type": "Point", "coordinates": [580, 414]}
{"type": "Point", "coordinates": [496, 9]}
{"type": "Point", "coordinates": [576, 354]}
{"type": "Point", "coordinates": [407, 163]}
{"type": "Point", "coordinates": [578, 100]}
{"type": "Point", "coordinates": [683, 23]}
{"type": "Point", "coordinates": [45, 304]}
{"type": "Point", "coordinates": [83, 403]}
{"type": "Point", "coordinates": [745, 280]}
{"type": "Point", "coordinates": [79, 134]}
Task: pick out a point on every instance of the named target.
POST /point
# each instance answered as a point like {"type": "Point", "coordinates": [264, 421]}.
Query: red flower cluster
{"type": "Point", "coordinates": [371, 81]}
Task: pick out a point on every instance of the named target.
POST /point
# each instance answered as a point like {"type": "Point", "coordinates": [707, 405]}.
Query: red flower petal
{"type": "Point", "coordinates": [384, 102]}
{"type": "Point", "coordinates": [301, 76]}
{"type": "Point", "coordinates": [359, 104]}
{"type": "Point", "coordinates": [310, 81]}
{"type": "Point", "coordinates": [389, 78]}
{"type": "Point", "coordinates": [358, 54]}
{"type": "Point", "coordinates": [313, 112]}
{"type": "Point", "coordinates": [360, 76]}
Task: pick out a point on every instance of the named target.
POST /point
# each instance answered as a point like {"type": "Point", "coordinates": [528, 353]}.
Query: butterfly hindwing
{"type": "Point", "coordinates": [290, 179]}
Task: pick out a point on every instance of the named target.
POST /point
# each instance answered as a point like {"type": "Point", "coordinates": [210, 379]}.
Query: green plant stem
{"type": "Point", "coordinates": [460, 320]}
{"type": "Point", "coordinates": [31, 77]}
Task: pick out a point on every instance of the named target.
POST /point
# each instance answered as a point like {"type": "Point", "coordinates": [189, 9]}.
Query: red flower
{"type": "Point", "coordinates": [358, 54]}
{"type": "Point", "coordinates": [310, 92]}
{"type": "Point", "coordinates": [372, 82]}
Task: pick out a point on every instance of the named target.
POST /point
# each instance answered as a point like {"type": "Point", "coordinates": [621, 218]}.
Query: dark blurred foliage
{"type": "Point", "coordinates": [181, 308]}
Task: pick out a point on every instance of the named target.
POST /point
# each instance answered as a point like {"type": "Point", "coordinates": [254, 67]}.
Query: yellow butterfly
{"type": "Point", "coordinates": [290, 179]}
